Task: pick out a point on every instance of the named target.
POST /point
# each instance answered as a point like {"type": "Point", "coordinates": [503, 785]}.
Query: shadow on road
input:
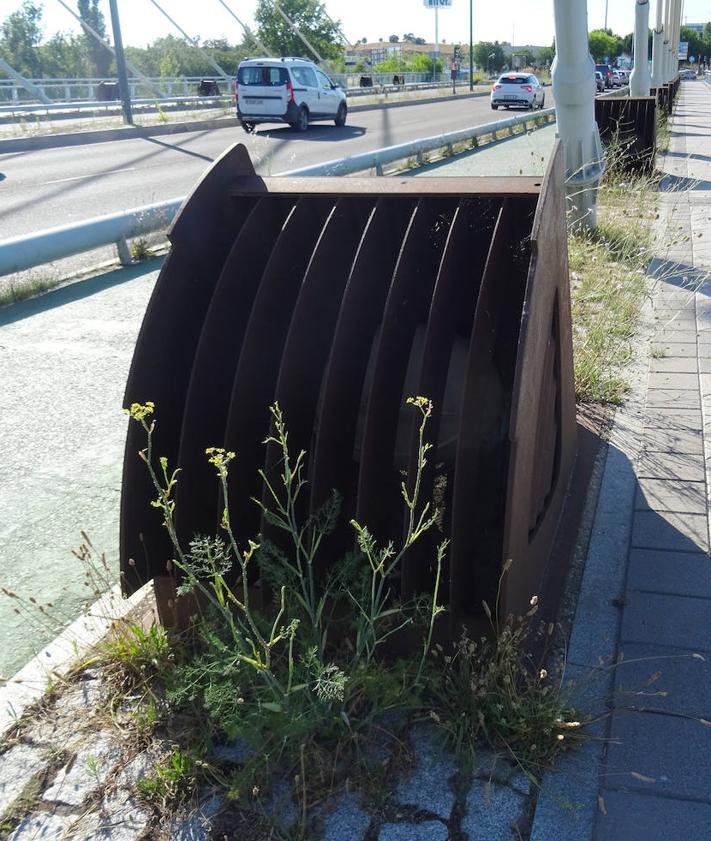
{"type": "Point", "coordinates": [331, 133]}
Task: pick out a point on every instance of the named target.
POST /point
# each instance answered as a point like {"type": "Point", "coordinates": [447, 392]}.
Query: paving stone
{"type": "Point", "coordinates": [46, 826]}
{"type": "Point", "coordinates": [668, 398]}
{"type": "Point", "coordinates": [280, 805]}
{"type": "Point", "coordinates": [684, 337]}
{"type": "Point", "coordinates": [671, 751]}
{"type": "Point", "coordinates": [674, 364]}
{"type": "Point", "coordinates": [668, 530]}
{"type": "Point", "coordinates": [18, 766]}
{"type": "Point", "coordinates": [704, 353]}
{"type": "Point", "coordinates": [679, 573]}
{"type": "Point", "coordinates": [681, 466]}
{"type": "Point", "coordinates": [673, 441]}
{"type": "Point", "coordinates": [197, 825]}
{"type": "Point", "coordinates": [428, 786]}
{"type": "Point", "coordinates": [492, 767]}
{"type": "Point", "coordinates": [347, 821]}
{"type": "Point", "coordinates": [674, 382]}
{"type": "Point", "coordinates": [83, 696]}
{"type": "Point", "coordinates": [673, 419]}
{"type": "Point", "coordinates": [674, 349]}
{"type": "Point", "coordinates": [118, 818]}
{"type": "Point", "coordinates": [671, 495]}
{"type": "Point", "coordinates": [633, 816]}
{"type": "Point", "coordinates": [657, 677]}
{"type": "Point", "coordinates": [88, 771]}
{"type": "Point", "coordinates": [663, 619]}
{"type": "Point", "coordinates": [427, 831]}
{"type": "Point", "coordinates": [492, 812]}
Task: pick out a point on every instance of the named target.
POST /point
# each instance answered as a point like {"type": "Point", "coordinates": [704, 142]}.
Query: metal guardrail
{"type": "Point", "coordinates": [26, 252]}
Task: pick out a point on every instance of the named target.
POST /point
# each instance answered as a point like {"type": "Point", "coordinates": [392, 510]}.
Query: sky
{"type": "Point", "coordinates": [524, 21]}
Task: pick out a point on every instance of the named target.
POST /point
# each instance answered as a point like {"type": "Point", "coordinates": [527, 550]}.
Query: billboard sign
{"type": "Point", "coordinates": [439, 4]}
{"type": "Point", "coordinates": [683, 50]}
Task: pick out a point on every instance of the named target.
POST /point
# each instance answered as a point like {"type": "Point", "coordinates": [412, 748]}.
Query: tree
{"type": "Point", "coordinates": [603, 44]}
{"type": "Point", "coordinates": [20, 35]}
{"type": "Point", "coordinates": [98, 55]}
{"type": "Point", "coordinates": [393, 39]}
{"type": "Point", "coordinates": [63, 56]}
{"type": "Point", "coordinates": [546, 56]}
{"type": "Point", "coordinates": [489, 56]}
{"type": "Point", "coordinates": [694, 40]}
{"type": "Point", "coordinates": [310, 18]}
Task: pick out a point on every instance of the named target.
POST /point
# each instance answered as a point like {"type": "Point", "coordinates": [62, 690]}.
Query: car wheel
{"type": "Point", "coordinates": [543, 102]}
{"type": "Point", "coordinates": [506, 107]}
{"type": "Point", "coordinates": [532, 105]}
{"type": "Point", "coordinates": [302, 119]}
{"type": "Point", "coordinates": [494, 107]}
{"type": "Point", "coordinates": [341, 115]}
{"type": "Point", "coordinates": [248, 127]}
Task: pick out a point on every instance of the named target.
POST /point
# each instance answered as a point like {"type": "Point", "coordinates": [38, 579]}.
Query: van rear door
{"type": "Point", "coordinates": [262, 90]}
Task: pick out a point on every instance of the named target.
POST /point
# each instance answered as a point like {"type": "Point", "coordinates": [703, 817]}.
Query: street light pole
{"type": "Point", "coordinates": [124, 89]}
{"type": "Point", "coordinates": [471, 48]}
{"type": "Point", "coordinates": [606, 2]}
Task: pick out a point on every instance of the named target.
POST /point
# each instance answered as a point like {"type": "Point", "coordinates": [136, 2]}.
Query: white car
{"type": "Point", "coordinates": [517, 89]}
{"type": "Point", "coordinates": [286, 90]}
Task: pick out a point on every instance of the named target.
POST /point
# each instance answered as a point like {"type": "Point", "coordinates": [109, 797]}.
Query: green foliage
{"type": "Point", "coordinates": [408, 63]}
{"type": "Point", "coordinates": [603, 43]}
{"type": "Point", "coordinates": [172, 780]}
{"type": "Point", "coordinates": [489, 56]}
{"type": "Point", "coordinates": [99, 57]}
{"type": "Point", "coordinates": [20, 35]}
{"type": "Point", "coordinates": [309, 17]}
{"type": "Point", "coordinates": [546, 55]}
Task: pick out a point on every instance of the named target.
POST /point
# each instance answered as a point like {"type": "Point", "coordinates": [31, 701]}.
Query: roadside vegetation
{"type": "Point", "coordinates": [307, 686]}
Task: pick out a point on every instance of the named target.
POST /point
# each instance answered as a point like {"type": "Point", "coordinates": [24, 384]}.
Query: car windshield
{"type": "Point", "coordinates": [262, 76]}
{"type": "Point", "coordinates": [513, 80]}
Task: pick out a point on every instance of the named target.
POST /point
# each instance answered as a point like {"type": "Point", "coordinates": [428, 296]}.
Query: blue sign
{"type": "Point", "coordinates": [692, 59]}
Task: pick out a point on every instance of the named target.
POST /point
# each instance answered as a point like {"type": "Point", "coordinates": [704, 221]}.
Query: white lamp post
{"type": "Point", "coordinates": [573, 75]}
{"type": "Point", "coordinates": [658, 47]}
{"type": "Point", "coordinates": [640, 79]}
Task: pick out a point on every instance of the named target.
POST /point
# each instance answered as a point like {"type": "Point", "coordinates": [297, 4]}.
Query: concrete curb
{"type": "Point", "coordinates": [79, 138]}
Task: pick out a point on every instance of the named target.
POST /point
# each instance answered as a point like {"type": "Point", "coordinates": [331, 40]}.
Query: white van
{"type": "Point", "coordinates": [286, 90]}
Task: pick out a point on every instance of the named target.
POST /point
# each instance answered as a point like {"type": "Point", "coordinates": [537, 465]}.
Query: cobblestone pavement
{"type": "Point", "coordinates": [646, 592]}
{"type": "Point", "coordinates": [72, 772]}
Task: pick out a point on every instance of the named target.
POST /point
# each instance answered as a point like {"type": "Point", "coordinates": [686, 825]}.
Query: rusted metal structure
{"type": "Point", "coordinates": [340, 297]}
{"type": "Point", "coordinates": [665, 95]}
{"type": "Point", "coordinates": [630, 122]}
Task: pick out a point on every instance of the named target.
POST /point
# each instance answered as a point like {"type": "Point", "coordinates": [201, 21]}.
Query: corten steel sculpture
{"type": "Point", "coordinates": [630, 123]}
{"type": "Point", "coordinates": [338, 298]}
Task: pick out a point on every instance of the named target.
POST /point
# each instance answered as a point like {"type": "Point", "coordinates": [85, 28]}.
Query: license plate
{"type": "Point", "coordinates": [510, 97]}
{"type": "Point", "coordinates": [254, 101]}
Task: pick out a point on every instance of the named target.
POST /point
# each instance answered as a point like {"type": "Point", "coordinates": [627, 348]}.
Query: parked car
{"type": "Point", "coordinates": [286, 90]}
{"type": "Point", "coordinates": [687, 74]}
{"type": "Point", "coordinates": [606, 71]}
{"type": "Point", "coordinates": [599, 81]}
{"type": "Point", "coordinates": [517, 89]}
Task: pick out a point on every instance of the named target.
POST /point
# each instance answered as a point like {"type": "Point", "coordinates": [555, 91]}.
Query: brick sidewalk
{"type": "Point", "coordinates": [646, 593]}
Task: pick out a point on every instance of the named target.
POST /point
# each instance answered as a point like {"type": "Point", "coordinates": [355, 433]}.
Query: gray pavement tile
{"type": "Point", "coordinates": [427, 831]}
{"type": "Point", "coordinates": [674, 382]}
{"type": "Point", "coordinates": [675, 349]}
{"type": "Point", "coordinates": [669, 530]}
{"type": "Point", "coordinates": [637, 816]}
{"type": "Point", "coordinates": [492, 811]}
{"type": "Point", "coordinates": [704, 336]}
{"type": "Point", "coordinates": [674, 365]}
{"type": "Point", "coordinates": [663, 619]}
{"type": "Point", "coordinates": [665, 397]}
{"type": "Point", "coordinates": [671, 495]}
{"type": "Point", "coordinates": [347, 820]}
{"type": "Point", "coordinates": [705, 363]}
{"type": "Point", "coordinates": [679, 573]}
{"type": "Point", "coordinates": [662, 679]}
{"type": "Point", "coordinates": [567, 801]}
{"type": "Point", "coordinates": [673, 441]}
{"type": "Point", "coordinates": [685, 337]}
{"type": "Point", "coordinates": [673, 419]}
{"type": "Point", "coordinates": [673, 752]}
{"type": "Point", "coordinates": [682, 466]}
{"type": "Point", "coordinates": [428, 786]}
{"type": "Point", "coordinates": [704, 351]}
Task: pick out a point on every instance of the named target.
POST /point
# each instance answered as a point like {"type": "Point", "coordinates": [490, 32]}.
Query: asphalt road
{"type": "Point", "coordinates": [51, 187]}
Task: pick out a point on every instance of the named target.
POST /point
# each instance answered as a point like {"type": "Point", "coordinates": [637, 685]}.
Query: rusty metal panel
{"type": "Point", "coordinates": [631, 123]}
{"type": "Point", "coordinates": [339, 298]}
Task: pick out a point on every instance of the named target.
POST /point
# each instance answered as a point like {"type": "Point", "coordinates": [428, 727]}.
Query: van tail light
{"type": "Point", "coordinates": [289, 92]}
{"type": "Point", "coordinates": [236, 91]}
{"type": "Point", "coordinates": [496, 87]}
{"type": "Point", "coordinates": [528, 88]}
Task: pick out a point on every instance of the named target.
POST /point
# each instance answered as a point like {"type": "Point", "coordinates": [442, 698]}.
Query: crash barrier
{"type": "Point", "coordinates": [208, 87]}
{"type": "Point", "coordinates": [631, 124]}
{"type": "Point", "coordinates": [25, 252]}
{"type": "Point", "coordinates": [339, 298]}
{"type": "Point", "coordinates": [107, 91]}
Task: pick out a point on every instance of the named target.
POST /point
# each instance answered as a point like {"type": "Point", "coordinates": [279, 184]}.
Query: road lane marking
{"type": "Point", "coordinates": [90, 175]}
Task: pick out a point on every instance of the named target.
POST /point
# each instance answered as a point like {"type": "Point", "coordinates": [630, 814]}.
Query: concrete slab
{"type": "Point", "coordinates": [680, 466]}
{"type": "Point", "coordinates": [659, 754]}
{"type": "Point", "coordinates": [677, 573]}
{"type": "Point", "coordinates": [665, 418]}
{"type": "Point", "coordinates": [665, 397]}
{"type": "Point", "coordinates": [664, 619]}
{"type": "Point", "coordinates": [669, 530]}
{"type": "Point", "coordinates": [671, 495]}
{"type": "Point", "coordinates": [673, 441]}
{"type": "Point", "coordinates": [637, 816]}
{"type": "Point", "coordinates": [674, 382]}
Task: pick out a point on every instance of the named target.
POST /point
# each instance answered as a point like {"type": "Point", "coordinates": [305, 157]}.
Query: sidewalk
{"type": "Point", "coordinates": [646, 592]}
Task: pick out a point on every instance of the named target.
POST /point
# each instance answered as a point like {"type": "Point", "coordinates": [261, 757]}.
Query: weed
{"type": "Point", "coordinates": [140, 249]}
{"type": "Point", "coordinates": [14, 292]}
{"type": "Point", "coordinates": [172, 780]}
{"type": "Point", "coordinates": [658, 352]}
